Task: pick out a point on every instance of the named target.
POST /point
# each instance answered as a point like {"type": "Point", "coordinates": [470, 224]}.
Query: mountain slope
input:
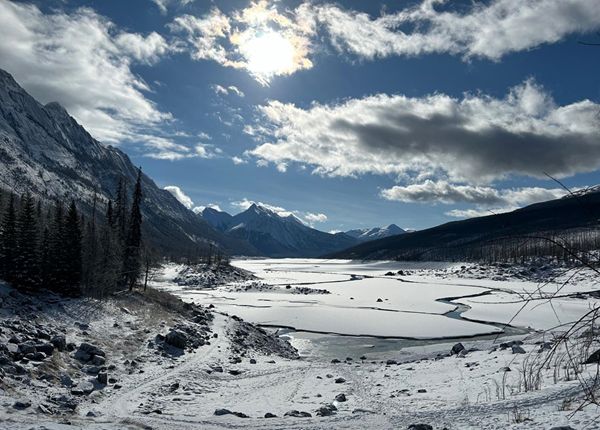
{"type": "Point", "coordinates": [466, 240]}
{"type": "Point", "coordinates": [277, 236]}
{"type": "Point", "coordinates": [45, 151]}
{"type": "Point", "coordinates": [364, 235]}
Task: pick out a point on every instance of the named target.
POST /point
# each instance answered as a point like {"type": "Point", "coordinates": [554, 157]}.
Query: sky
{"type": "Point", "coordinates": [347, 114]}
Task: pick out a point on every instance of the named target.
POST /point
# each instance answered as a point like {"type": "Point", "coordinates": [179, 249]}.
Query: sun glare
{"type": "Point", "coordinates": [269, 54]}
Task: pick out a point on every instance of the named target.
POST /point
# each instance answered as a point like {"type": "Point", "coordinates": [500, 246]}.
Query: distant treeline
{"type": "Point", "coordinates": [56, 247]}
{"type": "Point", "coordinates": [569, 246]}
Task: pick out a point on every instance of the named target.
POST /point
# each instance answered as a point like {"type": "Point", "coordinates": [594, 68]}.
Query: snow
{"type": "Point", "coordinates": [470, 392]}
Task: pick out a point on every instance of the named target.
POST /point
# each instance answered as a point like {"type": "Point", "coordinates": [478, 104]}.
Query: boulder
{"type": "Point", "coordinates": [562, 428]}
{"type": "Point", "coordinates": [22, 404]}
{"type": "Point", "coordinates": [219, 412]}
{"type": "Point", "coordinates": [176, 338]}
{"type": "Point", "coordinates": [102, 378]}
{"type": "Point", "coordinates": [340, 398]}
{"type": "Point", "coordinates": [91, 349]}
{"type": "Point", "coordinates": [98, 360]}
{"type": "Point", "coordinates": [297, 414]}
{"type": "Point", "coordinates": [270, 415]}
{"type": "Point", "coordinates": [516, 349]}
{"type": "Point", "coordinates": [457, 348]}
{"type": "Point", "coordinates": [27, 348]}
{"type": "Point", "coordinates": [59, 342]}
{"type": "Point", "coordinates": [594, 358]}
{"type": "Point", "coordinates": [46, 348]}
{"type": "Point", "coordinates": [420, 427]}
{"type": "Point", "coordinates": [326, 411]}
{"type": "Point", "coordinates": [340, 380]}
{"type": "Point", "coordinates": [84, 387]}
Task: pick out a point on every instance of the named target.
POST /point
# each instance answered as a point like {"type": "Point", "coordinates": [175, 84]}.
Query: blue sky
{"type": "Point", "coordinates": [349, 114]}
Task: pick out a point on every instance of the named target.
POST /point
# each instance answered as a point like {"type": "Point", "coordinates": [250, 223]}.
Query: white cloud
{"type": "Point", "coordinates": [476, 139]}
{"type": "Point", "coordinates": [180, 195]}
{"type": "Point", "coordinates": [204, 136]}
{"type": "Point", "coordinates": [238, 160]}
{"type": "Point", "coordinates": [236, 90]}
{"type": "Point", "coordinates": [474, 213]}
{"type": "Point", "coordinates": [313, 218]}
{"type": "Point", "coordinates": [483, 29]}
{"type": "Point", "coordinates": [163, 5]}
{"type": "Point", "coordinates": [83, 61]}
{"type": "Point", "coordinates": [218, 89]}
{"type": "Point", "coordinates": [446, 193]}
{"type": "Point", "coordinates": [334, 231]}
{"type": "Point", "coordinates": [246, 39]}
{"type": "Point", "coordinates": [199, 209]}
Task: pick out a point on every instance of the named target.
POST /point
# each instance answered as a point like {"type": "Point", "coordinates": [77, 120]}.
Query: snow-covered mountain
{"type": "Point", "coordinates": [365, 235]}
{"type": "Point", "coordinates": [218, 219]}
{"type": "Point", "coordinates": [45, 151]}
{"type": "Point", "coordinates": [277, 236]}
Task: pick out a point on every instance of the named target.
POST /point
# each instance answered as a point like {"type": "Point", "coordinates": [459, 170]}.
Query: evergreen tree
{"type": "Point", "coordinates": [9, 240]}
{"type": "Point", "coordinates": [134, 236]}
{"type": "Point", "coordinates": [120, 211]}
{"type": "Point", "coordinates": [56, 261]}
{"type": "Point", "coordinates": [27, 260]}
{"type": "Point", "coordinates": [72, 250]}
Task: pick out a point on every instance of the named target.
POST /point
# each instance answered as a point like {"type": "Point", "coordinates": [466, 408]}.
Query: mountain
{"type": "Point", "coordinates": [512, 232]}
{"type": "Point", "coordinates": [44, 151]}
{"type": "Point", "coordinates": [277, 236]}
{"type": "Point", "coordinates": [366, 235]}
{"type": "Point", "coordinates": [219, 220]}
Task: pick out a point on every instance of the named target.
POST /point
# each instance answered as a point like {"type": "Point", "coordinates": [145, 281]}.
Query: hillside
{"type": "Point", "coordinates": [44, 151]}
{"type": "Point", "coordinates": [468, 239]}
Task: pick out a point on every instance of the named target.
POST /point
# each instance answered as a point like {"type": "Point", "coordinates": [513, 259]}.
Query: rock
{"type": "Point", "coordinates": [340, 380]}
{"type": "Point", "coordinates": [379, 300]}
{"type": "Point", "coordinates": [297, 414]}
{"type": "Point", "coordinates": [219, 412]}
{"type": "Point", "coordinates": [420, 427]}
{"type": "Point", "coordinates": [516, 349]}
{"type": "Point", "coordinates": [240, 415]}
{"type": "Point", "coordinates": [27, 348]}
{"type": "Point", "coordinates": [340, 398]}
{"type": "Point", "coordinates": [176, 338]}
{"type": "Point", "coordinates": [13, 348]}
{"type": "Point", "coordinates": [66, 380]}
{"type": "Point", "coordinates": [348, 358]}
{"type": "Point", "coordinates": [457, 348]}
{"type": "Point", "coordinates": [562, 428]}
{"type": "Point", "coordinates": [98, 360]}
{"type": "Point", "coordinates": [422, 390]}
{"type": "Point", "coordinates": [594, 358]}
{"type": "Point", "coordinates": [391, 362]}
{"type": "Point", "coordinates": [46, 348]}
{"type": "Point", "coordinates": [84, 387]}
{"type": "Point", "coordinates": [22, 404]}
{"type": "Point", "coordinates": [15, 339]}
{"type": "Point", "coordinates": [326, 411]}
{"type": "Point", "coordinates": [335, 361]}
{"type": "Point", "coordinates": [91, 349]}
{"type": "Point", "coordinates": [252, 361]}
{"type": "Point", "coordinates": [102, 378]}
{"type": "Point", "coordinates": [270, 415]}
{"type": "Point", "coordinates": [38, 356]}
{"type": "Point", "coordinates": [363, 357]}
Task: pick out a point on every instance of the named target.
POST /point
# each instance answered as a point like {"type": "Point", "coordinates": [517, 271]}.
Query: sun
{"type": "Point", "coordinates": [269, 54]}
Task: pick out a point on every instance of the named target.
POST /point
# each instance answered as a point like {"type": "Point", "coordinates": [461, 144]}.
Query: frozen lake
{"type": "Point", "coordinates": [329, 306]}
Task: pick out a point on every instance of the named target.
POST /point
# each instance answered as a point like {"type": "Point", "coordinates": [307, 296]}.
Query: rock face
{"type": "Point", "coordinates": [46, 152]}
{"type": "Point", "coordinates": [457, 348]}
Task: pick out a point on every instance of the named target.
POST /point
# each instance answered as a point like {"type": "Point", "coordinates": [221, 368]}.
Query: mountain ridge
{"type": "Point", "coordinates": [45, 151]}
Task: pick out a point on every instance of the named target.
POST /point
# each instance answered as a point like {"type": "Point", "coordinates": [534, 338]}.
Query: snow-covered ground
{"type": "Point", "coordinates": [387, 383]}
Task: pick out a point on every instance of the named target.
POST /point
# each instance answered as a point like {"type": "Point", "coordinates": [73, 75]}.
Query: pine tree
{"type": "Point", "coordinates": [27, 261]}
{"type": "Point", "coordinates": [120, 211]}
{"type": "Point", "coordinates": [72, 248]}
{"type": "Point", "coordinates": [56, 261]}
{"type": "Point", "coordinates": [9, 240]}
{"type": "Point", "coordinates": [134, 236]}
